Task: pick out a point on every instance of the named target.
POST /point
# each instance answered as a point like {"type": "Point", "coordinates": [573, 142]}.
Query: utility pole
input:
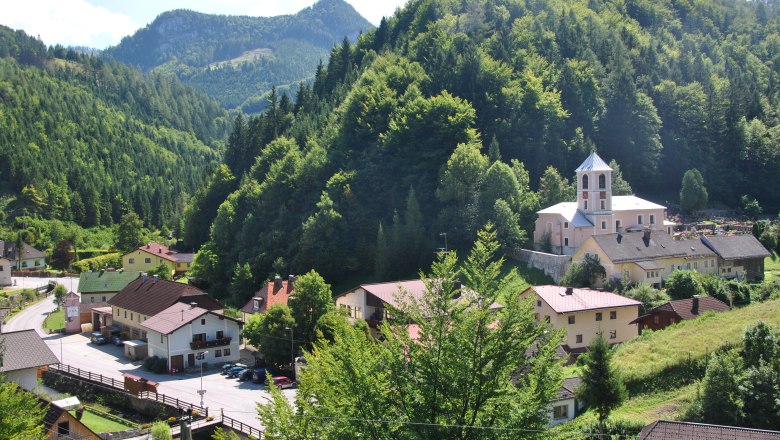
{"type": "Point", "coordinates": [201, 356]}
{"type": "Point", "coordinates": [292, 349]}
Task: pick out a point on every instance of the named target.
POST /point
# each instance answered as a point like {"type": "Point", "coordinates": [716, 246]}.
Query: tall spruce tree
{"type": "Point", "coordinates": [602, 388]}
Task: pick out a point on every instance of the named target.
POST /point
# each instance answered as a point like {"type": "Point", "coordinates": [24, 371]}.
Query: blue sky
{"type": "Point", "coordinates": [103, 23]}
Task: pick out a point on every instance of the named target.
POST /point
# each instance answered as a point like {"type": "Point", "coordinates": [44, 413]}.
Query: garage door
{"type": "Point", "coordinates": [177, 362]}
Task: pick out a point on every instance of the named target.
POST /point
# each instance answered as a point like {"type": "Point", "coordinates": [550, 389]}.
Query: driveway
{"type": "Point", "coordinates": [237, 399]}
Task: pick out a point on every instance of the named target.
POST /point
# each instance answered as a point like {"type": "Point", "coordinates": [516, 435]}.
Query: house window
{"type": "Point", "coordinates": [561, 412]}
{"type": "Point", "coordinates": [131, 261]}
{"type": "Point", "coordinates": [198, 337]}
{"type": "Point", "coordinates": [226, 352]}
{"type": "Point", "coordinates": [652, 219]}
{"type": "Point", "coordinates": [131, 316]}
{"type": "Point", "coordinates": [603, 224]}
{"type": "Point", "coordinates": [602, 181]}
{"type": "Point", "coordinates": [603, 205]}
{"type": "Point", "coordinates": [585, 181]}
{"type": "Point", "coordinates": [571, 319]}
{"type": "Point", "coordinates": [536, 316]}
{"type": "Point", "coordinates": [585, 204]}
{"type": "Point", "coordinates": [613, 314]}
{"type": "Point", "coordinates": [217, 353]}
{"type": "Point", "coordinates": [695, 264]}
{"type": "Point", "coordinates": [656, 320]}
{"type": "Point", "coordinates": [671, 320]}
{"type": "Point", "coordinates": [565, 225]}
{"type": "Point", "coordinates": [117, 313]}
{"type": "Point", "coordinates": [618, 224]}
{"type": "Point", "coordinates": [538, 303]}
{"type": "Point", "coordinates": [639, 219]}
{"type": "Point", "coordinates": [566, 241]}
{"type": "Point", "coordinates": [202, 322]}
{"type": "Point", "coordinates": [24, 264]}
{"type": "Point", "coordinates": [688, 265]}
{"type": "Point", "coordinates": [578, 338]}
{"type": "Point", "coordinates": [161, 339]}
{"type": "Point", "coordinates": [91, 299]}
{"type": "Point", "coordinates": [63, 428]}
{"type": "Point", "coordinates": [598, 316]}
{"type": "Point", "coordinates": [256, 304]}
{"type": "Point", "coordinates": [147, 260]}
{"type": "Point", "coordinates": [220, 334]}
{"type": "Point", "coordinates": [613, 334]}
{"type": "Point", "coordinates": [547, 318]}
{"type": "Point", "coordinates": [104, 299]}
{"type": "Point", "coordinates": [125, 314]}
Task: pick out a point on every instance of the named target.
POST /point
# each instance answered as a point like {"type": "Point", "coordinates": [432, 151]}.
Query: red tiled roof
{"type": "Point", "coordinates": [159, 251]}
{"type": "Point", "coordinates": [149, 297]}
{"type": "Point", "coordinates": [580, 299]}
{"type": "Point", "coordinates": [269, 295]}
{"type": "Point", "coordinates": [390, 293]}
{"type": "Point", "coordinates": [668, 430]}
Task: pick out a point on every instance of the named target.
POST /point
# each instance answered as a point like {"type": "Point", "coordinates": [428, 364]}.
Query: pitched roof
{"type": "Point", "coordinates": [683, 308]}
{"type": "Point", "coordinates": [593, 163]}
{"type": "Point", "coordinates": [24, 349]}
{"type": "Point", "coordinates": [274, 292]}
{"type": "Point", "coordinates": [158, 250]}
{"type": "Point", "coordinates": [27, 251]}
{"type": "Point", "coordinates": [149, 297]}
{"type": "Point", "coordinates": [568, 388]}
{"type": "Point", "coordinates": [185, 258]}
{"type": "Point", "coordinates": [173, 318]}
{"type": "Point", "coordinates": [580, 299]}
{"type": "Point", "coordinates": [632, 203]}
{"type": "Point", "coordinates": [89, 307]}
{"type": "Point", "coordinates": [393, 292]}
{"type": "Point", "coordinates": [105, 281]}
{"type": "Point", "coordinates": [669, 430]}
{"type": "Point", "coordinates": [735, 247]}
{"type": "Point", "coordinates": [634, 246]}
{"type": "Point", "coordinates": [569, 212]}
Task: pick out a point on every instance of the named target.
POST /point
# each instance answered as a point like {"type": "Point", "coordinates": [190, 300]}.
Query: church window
{"type": "Point", "coordinates": [603, 205]}
{"type": "Point", "coordinates": [585, 204]}
{"type": "Point", "coordinates": [566, 241]}
{"type": "Point", "coordinates": [585, 181]}
{"type": "Point", "coordinates": [603, 225]}
{"type": "Point", "coordinates": [565, 225]}
{"type": "Point", "coordinates": [652, 219]}
{"type": "Point", "coordinates": [639, 219]}
{"type": "Point", "coordinates": [602, 181]}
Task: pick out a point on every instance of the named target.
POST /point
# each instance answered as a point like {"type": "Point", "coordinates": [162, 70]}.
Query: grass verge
{"type": "Point", "coordinates": [55, 321]}
{"type": "Point", "coordinates": [100, 424]}
{"type": "Point", "coordinates": [771, 267]}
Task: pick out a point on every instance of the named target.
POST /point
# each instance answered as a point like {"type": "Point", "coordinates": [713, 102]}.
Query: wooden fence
{"type": "Point", "coordinates": [241, 427]}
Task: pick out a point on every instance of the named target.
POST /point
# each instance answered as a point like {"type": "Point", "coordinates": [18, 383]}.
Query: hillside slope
{"type": "Point", "coordinates": [236, 59]}
{"type": "Point", "coordinates": [86, 140]}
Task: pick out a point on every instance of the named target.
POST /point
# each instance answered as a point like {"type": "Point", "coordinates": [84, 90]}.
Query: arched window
{"type": "Point", "coordinates": [602, 181]}
{"type": "Point", "coordinates": [585, 181]}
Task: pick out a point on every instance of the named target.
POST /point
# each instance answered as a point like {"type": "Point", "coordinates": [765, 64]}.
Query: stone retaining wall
{"type": "Point", "coordinates": [551, 264]}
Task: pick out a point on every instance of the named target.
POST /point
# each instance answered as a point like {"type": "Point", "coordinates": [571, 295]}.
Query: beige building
{"type": "Point", "coordinates": [566, 226]}
{"type": "Point", "coordinates": [5, 272]}
{"type": "Point", "coordinates": [583, 313]}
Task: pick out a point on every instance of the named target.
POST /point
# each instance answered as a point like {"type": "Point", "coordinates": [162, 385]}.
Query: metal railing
{"type": "Point", "coordinates": [242, 427]}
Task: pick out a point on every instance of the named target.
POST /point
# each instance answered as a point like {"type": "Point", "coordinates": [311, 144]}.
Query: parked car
{"type": "Point", "coordinates": [245, 375]}
{"type": "Point", "coordinates": [258, 375]}
{"type": "Point", "coordinates": [283, 382]}
{"type": "Point", "coordinates": [97, 338]}
{"type": "Point", "coordinates": [226, 367]}
{"type": "Point", "coordinates": [235, 370]}
{"type": "Point", "coordinates": [116, 340]}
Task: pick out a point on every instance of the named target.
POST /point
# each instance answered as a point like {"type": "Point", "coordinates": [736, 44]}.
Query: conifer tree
{"type": "Point", "coordinates": [601, 388]}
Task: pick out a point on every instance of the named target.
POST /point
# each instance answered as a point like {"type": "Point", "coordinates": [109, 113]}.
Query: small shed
{"type": "Point", "coordinates": [136, 384]}
{"type": "Point", "coordinates": [136, 349]}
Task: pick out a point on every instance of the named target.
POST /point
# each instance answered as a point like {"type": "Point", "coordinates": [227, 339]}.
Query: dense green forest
{"type": "Point", "coordinates": [451, 113]}
{"type": "Point", "coordinates": [86, 140]}
{"type": "Point", "coordinates": [237, 59]}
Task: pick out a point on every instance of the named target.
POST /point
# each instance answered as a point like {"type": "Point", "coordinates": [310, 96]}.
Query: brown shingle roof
{"type": "Point", "coordinates": [735, 247]}
{"type": "Point", "coordinates": [24, 349]}
{"type": "Point", "coordinates": [668, 430]}
{"type": "Point", "coordinates": [27, 251]}
{"type": "Point", "coordinates": [634, 246]}
{"type": "Point", "coordinates": [176, 317]}
{"type": "Point", "coordinates": [568, 388]}
{"type": "Point", "coordinates": [683, 308]}
{"type": "Point", "coordinates": [149, 297]}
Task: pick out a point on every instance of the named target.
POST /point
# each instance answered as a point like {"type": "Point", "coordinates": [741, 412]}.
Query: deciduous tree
{"type": "Point", "coordinates": [311, 299]}
{"type": "Point", "coordinates": [268, 332]}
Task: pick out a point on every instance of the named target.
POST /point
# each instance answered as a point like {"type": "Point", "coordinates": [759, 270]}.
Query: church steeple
{"type": "Point", "coordinates": [594, 186]}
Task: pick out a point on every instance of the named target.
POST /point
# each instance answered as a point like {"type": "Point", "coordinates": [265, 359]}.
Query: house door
{"type": "Point", "coordinates": [177, 362]}
{"type": "Point", "coordinates": [191, 360]}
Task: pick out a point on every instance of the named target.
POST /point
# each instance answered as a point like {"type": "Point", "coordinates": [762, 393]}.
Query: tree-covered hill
{"type": "Point", "coordinates": [236, 59]}
{"type": "Point", "coordinates": [87, 140]}
{"type": "Point", "coordinates": [450, 113]}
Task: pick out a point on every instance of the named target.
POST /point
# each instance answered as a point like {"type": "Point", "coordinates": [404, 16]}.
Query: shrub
{"type": "Point", "coordinates": [97, 263]}
{"type": "Point", "coordinates": [683, 284]}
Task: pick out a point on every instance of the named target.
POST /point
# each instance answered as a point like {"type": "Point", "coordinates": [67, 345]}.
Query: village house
{"type": "Point", "coordinates": [181, 331]}
{"type": "Point", "coordinates": [31, 258]}
{"type": "Point", "coordinates": [564, 227]}
{"type": "Point", "coordinates": [59, 423]}
{"type": "Point", "coordinates": [100, 286]}
{"type": "Point", "coordinates": [151, 255]}
{"type": "Point", "coordinates": [147, 296]}
{"type": "Point", "coordinates": [674, 430]}
{"type": "Point", "coordinates": [675, 311]}
{"type": "Point", "coordinates": [24, 354]}
{"type": "Point", "coordinates": [645, 256]}
{"type": "Point", "coordinates": [739, 256]}
{"type": "Point", "coordinates": [273, 292]}
{"type": "Point", "coordinates": [564, 406]}
{"type": "Point", "coordinates": [583, 313]}
{"type": "Point", "coordinates": [5, 272]}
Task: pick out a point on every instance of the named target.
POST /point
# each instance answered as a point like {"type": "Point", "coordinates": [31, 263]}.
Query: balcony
{"type": "Point", "coordinates": [197, 345]}
{"type": "Point", "coordinates": [376, 314]}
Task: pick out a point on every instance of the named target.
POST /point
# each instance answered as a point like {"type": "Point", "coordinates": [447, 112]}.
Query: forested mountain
{"type": "Point", "coordinates": [87, 140]}
{"type": "Point", "coordinates": [449, 114]}
{"type": "Point", "coordinates": [237, 59]}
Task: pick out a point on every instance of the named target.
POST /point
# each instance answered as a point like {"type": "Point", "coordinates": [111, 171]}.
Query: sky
{"type": "Point", "coordinates": [103, 23]}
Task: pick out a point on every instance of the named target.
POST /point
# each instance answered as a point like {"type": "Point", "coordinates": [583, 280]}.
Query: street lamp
{"type": "Point", "coordinates": [292, 348]}
{"type": "Point", "coordinates": [201, 356]}
{"type": "Point", "coordinates": [444, 234]}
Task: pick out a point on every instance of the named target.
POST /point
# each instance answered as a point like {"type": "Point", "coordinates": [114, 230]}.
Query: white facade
{"type": "Point", "coordinates": [178, 342]}
{"type": "Point", "coordinates": [561, 411]}
{"type": "Point", "coordinates": [5, 272]}
{"type": "Point", "coordinates": [354, 302]}
{"type": "Point", "coordinates": [26, 378]}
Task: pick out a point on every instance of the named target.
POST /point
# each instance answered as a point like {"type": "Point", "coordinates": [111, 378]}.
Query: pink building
{"type": "Point", "coordinates": [567, 225]}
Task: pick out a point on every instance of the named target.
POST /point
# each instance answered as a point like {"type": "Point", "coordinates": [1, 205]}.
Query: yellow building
{"type": "Point", "coordinates": [646, 256]}
{"type": "Point", "coordinates": [149, 257]}
{"type": "Point", "coordinates": [583, 313]}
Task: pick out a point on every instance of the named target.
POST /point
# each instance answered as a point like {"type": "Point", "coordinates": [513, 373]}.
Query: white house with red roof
{"type": "Point", "coordinates": [585, 312]}
{"type": "Point", "coordinates": [273, 292]}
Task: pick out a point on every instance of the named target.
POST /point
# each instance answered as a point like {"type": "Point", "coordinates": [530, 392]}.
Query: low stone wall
{"type": "Point", "coordinates": [551, 264]}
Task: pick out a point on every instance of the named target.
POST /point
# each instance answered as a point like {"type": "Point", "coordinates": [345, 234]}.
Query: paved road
{"type": "Point", "coordinates": [237, 399]}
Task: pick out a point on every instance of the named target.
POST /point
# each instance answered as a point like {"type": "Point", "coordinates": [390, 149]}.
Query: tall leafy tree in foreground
{"type": "Point", "coordinates": [268, 332]}
{"type": "Point", "coordinates": [130, 232]}
{"type": "Point", "coordinates": [311, 299]}
{"type": "Point", "coordinates": [601, 389]}
{"type": "Point", "coordinates": [467, 373]}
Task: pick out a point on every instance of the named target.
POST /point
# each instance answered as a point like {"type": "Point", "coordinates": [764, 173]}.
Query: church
{"type": "Point", "coordinates": [564, 227]}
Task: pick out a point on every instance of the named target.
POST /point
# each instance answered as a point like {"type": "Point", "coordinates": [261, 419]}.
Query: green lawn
{"type": "Point", "coordinates": [651, 353]}
{"type": "Point", "coordinates": [771, 267]}
{"type": "Point", "coordinates": [55, 321]}
{"type": "Point", "coordinates": [666, 405]}
{"type": "Point", "coordinates": [101, 424]}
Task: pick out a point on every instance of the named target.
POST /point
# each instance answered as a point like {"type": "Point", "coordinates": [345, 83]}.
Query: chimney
{"type": "Point", "coordinates": [290, 282]}
{"type": "Point", "coordinates": [159, 250]}
{"type": "Point", "coordinates": [695, 308]}
{"type": "Point", "coordinates": [193, 305]}
{"type": "Point", "coordinates": [182, 315]}
{"type": "Point", "coordinates": [277, 282]}
{"type": "Point", "coordinates": [647, 233]}
{"type": "Point", "coordinates": [149, 245]}
{"type": "Point", "coordinates": [155, 278]}
{"type": "Point", "coordinates": [569, 291]}
{"type": "Point", "coordinates": [144, 276]}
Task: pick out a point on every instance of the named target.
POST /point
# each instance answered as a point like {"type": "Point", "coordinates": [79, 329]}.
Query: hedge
{"type": "Point", "coordinates": [96, 263]}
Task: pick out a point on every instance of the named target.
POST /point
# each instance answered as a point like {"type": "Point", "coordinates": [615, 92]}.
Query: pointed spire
{"type": "Point", "coordinates": [593, 163]}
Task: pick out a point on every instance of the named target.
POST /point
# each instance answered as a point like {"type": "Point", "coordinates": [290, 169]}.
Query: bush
{"type": "Point", "coordinates": [96, 263]}
{"type": "Point", "coordinates": [584, 274]}
{"type": "Point", "coordinates": [683, 284]}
